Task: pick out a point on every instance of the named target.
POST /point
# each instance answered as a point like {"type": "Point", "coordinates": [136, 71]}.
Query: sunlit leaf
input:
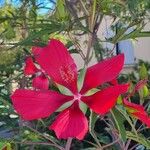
{"type": "Point", "coordinates": [144, 92]}
{"type": "Point", "coordinates": [61, 12]}
{"type": "Point", "coordinates": [143, 72]}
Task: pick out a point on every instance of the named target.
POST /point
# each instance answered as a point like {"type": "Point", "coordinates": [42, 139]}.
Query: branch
{"type": "Point", "coordinates": [46, 137]}
{"type": "Point", "coordinates": [110, 144]}
{"type": "Point", "coordinates": [68, 144]}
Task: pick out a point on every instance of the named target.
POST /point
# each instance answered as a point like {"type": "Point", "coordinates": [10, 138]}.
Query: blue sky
{"type": "Point", "coordinates": [45, 4]}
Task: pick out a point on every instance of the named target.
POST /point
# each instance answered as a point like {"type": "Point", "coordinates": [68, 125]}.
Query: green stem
{"type": "Point", "coordinates": [93, 14]}
{"type": "Point", "coordinates": [37, 143]}
{"type": "Point", "coordinates": [46, 137]}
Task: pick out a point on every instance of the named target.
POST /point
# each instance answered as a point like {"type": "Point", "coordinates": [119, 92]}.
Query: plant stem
{"type": "Point", "coordinates": [68, 144]}
{"type": "Point", "coordinates": [84, 8]}
{"type": "Point", "coordinates": [40, 134]}
{"type": "Point", "coordinates": [93, 144]}
{"type": "Point", "coordinates": [91, 34]}
{"type": "Point", "coordinates": [110, 144]}
{"type": "Point", "coordinates": [77, 46]}
{"type": "Point", "coordinates": [38, 143]}
{"type": "Point", "coordinates": [90, 41]}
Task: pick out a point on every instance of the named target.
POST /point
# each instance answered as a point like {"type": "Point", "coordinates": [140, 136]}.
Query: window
{"type": "Point", "coordinates": [126, 47]}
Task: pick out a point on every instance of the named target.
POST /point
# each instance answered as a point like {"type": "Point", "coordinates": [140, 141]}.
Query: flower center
{"type": "Point", "coordinates": [77, 97]}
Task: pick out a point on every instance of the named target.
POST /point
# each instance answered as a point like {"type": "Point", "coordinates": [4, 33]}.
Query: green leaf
{"type": "Point", "coordinates": [124, 113]}
{"type": "Point", "coordinates": [93, 119]}
{"type": "Point", "coordinates": [119, 100]}
{"type": "Point", "coordinates": [143, 34]}
{"type": "Point", "coordinates": [119, 121]}
{"type": "Point", "coordinates": [81, 78]}
{"type": "Point", "coordinates": [136, 34]}
{"type": "Point", "coordinates": [64, 90]}
{"type": "Point", "coordinates": [4, 145]}
{"type": "Point", "coordinates": [104, 138]}
{"type": "Point", "coordinates": [139, 138]}
{"type": "Point", "coordinates": [61, 12]}
{"type": "Point", "coordinates": [144, 92]}
{"type": "Point", "coordinates": [10, 33]}
{"type": "Point", "coordinates": [118, 36]}
{"type": "Point", "coordinates": [91, 92]}
{"type": "Point", "coordinates": [83, 107]}
{"type": "Point", "coordinates": [64, 106]}
{"type": "Point", "coordinates": [73, 51]}
{"type": "Point", "coordinates": [143, 72]}
{"type": "Point", "coordinates": [36, 38]}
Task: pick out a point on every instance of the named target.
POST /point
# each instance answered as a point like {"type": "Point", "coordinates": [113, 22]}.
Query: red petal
{"type": "Point", "coordinates": [102, 101]}
{"type": "Point", "coordinates": [37, 104]}
{"type": "Point", "coordinates": [138, 112]}
{"type": "Point", "coordinates": [58, 63]}
{"type": "Point", "coordinates": [133, 106]}
{"type": "Point", "coordinates": [36, 51]}
{"type": "Point", "coordinates": [102, 72]}
{"type": "Point", "coordinates": [143, 116]}
{"type": "Point", "coordinates": [70, 123]}
{"type": "Point", "coordinates": [114, 82]}
{"type": "Point", "coordinates": [40, 82]}
{"type": "Point", "coordinates": [29, 68]}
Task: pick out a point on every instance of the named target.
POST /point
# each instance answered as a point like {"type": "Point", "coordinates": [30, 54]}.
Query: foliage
{"type": "Point", "coordinates": [22, 27]}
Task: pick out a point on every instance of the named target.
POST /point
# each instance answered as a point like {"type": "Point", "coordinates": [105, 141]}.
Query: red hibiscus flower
{"type": "Point", "coordinates": [137, 111]}
{"type": "Point", "coordinates": [40, 81]}
{"type": "Point", "coordinates": [56, 61]}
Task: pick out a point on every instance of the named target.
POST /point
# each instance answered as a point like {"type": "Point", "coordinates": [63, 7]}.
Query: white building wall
{"type": "Point", "coordinates": [141, 46]}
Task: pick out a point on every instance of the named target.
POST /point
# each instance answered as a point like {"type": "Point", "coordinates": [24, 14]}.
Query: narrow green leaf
{"type": "Point", "coordinates": [136, 34]}
{"type": "Point", "coordinates": [83, 107]}
{"type": "Point", "coordinates": [35, 38]}
{"type": "Point", "coordinates": [61, 12]}
{"type": "Point", "coordinates": [64, 106]}
{"type": "Point", "coordinates": [144, 92]}
{"type": "Point", "coordinates": [81, 78]}
{"type": "Point", "coordinates": [138, 138]}
{"type": "Point", "coordinates": [64, 90]}
{"type": "Point", "coordinates": [91, 92]}
{"type": "Point", "coordinates": [119, 100]}
{"type": "Point", "coordinates": [143, 72]}
{"type": "Point", "coordinates": [119, 121]}
{"type": "Point", "coordinates": [92, 121]}
{"type": "Point", "coordinates": [143, 34]}
{"type": "Point", "coordinates": [4, 145]}
{"type": "Point", "coordinates": [118, 36]}
{"type": "Point", "coordinates": [124, 113]}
